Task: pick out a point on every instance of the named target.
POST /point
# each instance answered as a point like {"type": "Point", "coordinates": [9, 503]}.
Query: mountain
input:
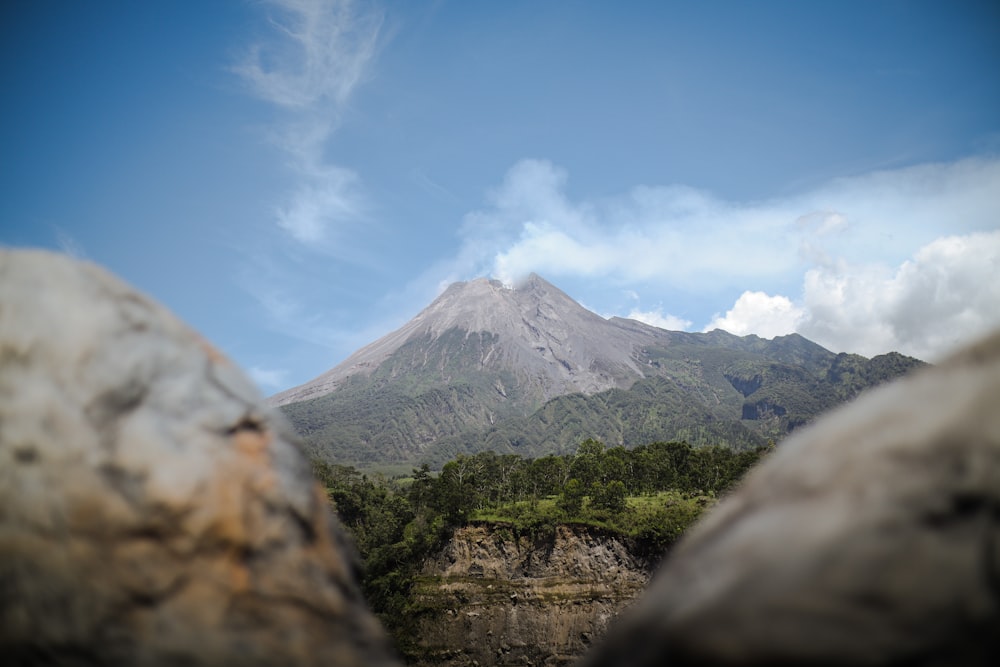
{"type": "Point", "coordinates": [550, 343]}
{"type": "Point", "coordinates": [529, 370]}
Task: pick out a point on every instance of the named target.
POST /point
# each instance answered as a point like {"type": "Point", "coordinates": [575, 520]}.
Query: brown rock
{"type": "Point", "coordinates": [521, 599]}
{"type": "Point", "coordinates": [153, 510]}
{"type": "Point", "coordinates": [870, 538]}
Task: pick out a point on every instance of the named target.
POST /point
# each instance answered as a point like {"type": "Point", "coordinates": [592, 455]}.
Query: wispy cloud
{"type": "Point", "coordinates": [268, 380]}
{"type": "Point", "coordinates": [306, 64]}
{"type": "Point", "coordinates": [68, 243]}
{"type": "Point", "coordinates": [904, 259]}
{"type": "Point", "coordinates": [321, 53]}
{"type": "Point", "coordinates": [657, 318]}
{"type": "Point", "coordinates": [319, 203]}
{"type": "Point", "coordinates": [304, 301]}
{"type": "Point", "coordinates": [316, 54]}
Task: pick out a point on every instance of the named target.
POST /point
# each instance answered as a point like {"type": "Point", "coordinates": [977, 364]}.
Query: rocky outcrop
{"type": "Point", "coordinates": [871, 537]}
{"type": "Point", "coordinates": [153, 510]}
{"type": "Point", "coordinates": [744, 385]}
{"type": "Point", "coordinates": [763, 409]}
{"type": "Point", "coordinates": [495, 598]}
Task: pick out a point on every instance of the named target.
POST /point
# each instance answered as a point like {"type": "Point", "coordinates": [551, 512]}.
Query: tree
{"type": "Point", "coordinates": [547, 475]}
{"type": "Point", "coordinates": [457, 492]}
{"type": "Point", "coordinates": [588, 463]}
{"type": "Point", "coordinates": [609, 497]}
{"type": "Point", "coordinates": [571, 499]}
{"type": "Point", "coordinates": [421, 492]}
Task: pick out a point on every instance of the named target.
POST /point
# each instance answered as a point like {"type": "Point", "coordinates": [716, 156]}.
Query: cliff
{"type": "Point", "coordinates": [491, 597]}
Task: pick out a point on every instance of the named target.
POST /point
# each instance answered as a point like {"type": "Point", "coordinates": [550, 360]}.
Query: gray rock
{"type": "Point", "coordinates": [153, 510]}
{"type": "Point", "coordinates": [870, 538]}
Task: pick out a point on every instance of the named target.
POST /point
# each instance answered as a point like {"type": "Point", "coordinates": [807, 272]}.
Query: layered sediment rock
{"type": "Point", "coordinates": [153, 510]}
{"type": "Point", "coordinates": [495, 598]}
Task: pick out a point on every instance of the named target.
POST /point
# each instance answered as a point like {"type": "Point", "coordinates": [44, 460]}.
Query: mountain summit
{"type": "Point", "coordinates": [528, 369]}
{"type": "Point", "coordinates": [534, 331]}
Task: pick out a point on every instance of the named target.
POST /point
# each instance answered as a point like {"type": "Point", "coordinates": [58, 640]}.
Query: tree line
{"type": "Point", "coordinates": [606, 476]}
{"type": "Point", "coordinates": [396, 523]}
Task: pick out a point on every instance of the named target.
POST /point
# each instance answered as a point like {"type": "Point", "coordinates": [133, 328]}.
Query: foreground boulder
{"type": "Point", "coordinates": [153, 511]}
{"type": "Point", "coordinates": [870, 538]}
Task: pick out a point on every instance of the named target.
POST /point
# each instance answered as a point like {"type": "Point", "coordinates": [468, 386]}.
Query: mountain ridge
{"type": "Point", "coordinates": [527, 369]}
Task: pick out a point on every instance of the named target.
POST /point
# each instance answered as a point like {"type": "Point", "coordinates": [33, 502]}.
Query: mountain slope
{"type": "Point", "coordinates": [553, 344]}
{"type": "Point", "coordinates": [529, 370]}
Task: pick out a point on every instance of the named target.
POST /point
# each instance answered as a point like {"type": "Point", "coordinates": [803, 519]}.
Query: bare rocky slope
{"type": "Point", "coordinates": [551, 344]}
{"type": "Point", "coordinates": [528, 370]}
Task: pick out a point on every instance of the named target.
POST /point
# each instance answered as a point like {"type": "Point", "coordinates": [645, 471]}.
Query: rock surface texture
{"type": "Point", "coordinates": [495, 598]}
{"type": "Point", "coordinates": [869, 538]}
{"type": "Point", "coordinates": [153, 510]}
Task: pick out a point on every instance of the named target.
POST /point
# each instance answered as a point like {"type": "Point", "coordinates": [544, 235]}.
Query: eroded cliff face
{"type": "Point", "coordinates": [492, 597]}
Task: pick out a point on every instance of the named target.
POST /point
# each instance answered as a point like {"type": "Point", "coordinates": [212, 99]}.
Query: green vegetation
{"type": "Point", "coordinates": [651, 493]}
{"type": "Point", "coordinates": [656, 520]}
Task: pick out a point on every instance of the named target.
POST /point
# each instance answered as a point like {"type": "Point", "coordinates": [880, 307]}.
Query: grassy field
{"type": "Point", "coordinates": [662, 516]}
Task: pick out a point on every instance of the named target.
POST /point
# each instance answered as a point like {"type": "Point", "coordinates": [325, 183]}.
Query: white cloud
{"type": "Point", "coordinates": [658, 318]}
{"type": "Point", "coordinates": [688, 236]}
{"type": "Point", "coordinates": [947, 293]}
{"type": "Point", "coordinates": [903, 259]}
{"type": "Point", "coordinates": [321, 51]}
{"type": "Point", "coordinates": [317, 205]}
{"type": "Point", "coordinates": [761, 314]}
{"type": "Point", "coordinates": [268, 380]}
{"type": "Point", "coordinates": [647, 234]}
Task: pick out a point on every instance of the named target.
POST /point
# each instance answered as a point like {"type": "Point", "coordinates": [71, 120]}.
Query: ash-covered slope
{"type": "Point", "coordinates": [545, 339]}
{"type": "Point", "coordinates": [529, 370]}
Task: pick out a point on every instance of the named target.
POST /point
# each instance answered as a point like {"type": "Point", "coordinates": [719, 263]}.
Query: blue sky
{"type": "Point", "coordinates": [296, 179]}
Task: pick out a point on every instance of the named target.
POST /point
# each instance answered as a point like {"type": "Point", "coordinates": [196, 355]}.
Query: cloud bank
{"type": "Point", "coordinates": [761, 314]}
{"type": "Point", "coordinates": [906, 260]}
